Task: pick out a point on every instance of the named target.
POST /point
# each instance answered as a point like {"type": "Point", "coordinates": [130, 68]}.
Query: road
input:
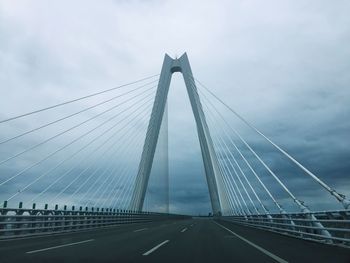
{"type": "Point", "coordinates": [193, 240]}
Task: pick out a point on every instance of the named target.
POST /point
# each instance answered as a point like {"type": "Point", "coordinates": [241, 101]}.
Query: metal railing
{"type": "Point", "coordinates": [332, 227]}
{"type": "Point", "coordinates": [20, 222]}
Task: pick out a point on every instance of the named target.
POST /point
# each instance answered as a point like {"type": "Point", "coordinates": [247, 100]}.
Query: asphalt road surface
{"type": "Point", "coordinates": [194, 240]}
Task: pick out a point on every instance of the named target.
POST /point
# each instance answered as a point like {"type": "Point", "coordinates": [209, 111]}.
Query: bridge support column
{"type": "Point", "coordinates": [208, 154]}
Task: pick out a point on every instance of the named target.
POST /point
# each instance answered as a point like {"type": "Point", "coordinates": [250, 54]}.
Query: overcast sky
{"type": "Point", "coordinates": [284, 65]}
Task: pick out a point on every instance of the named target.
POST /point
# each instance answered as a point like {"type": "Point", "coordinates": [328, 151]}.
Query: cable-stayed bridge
{"type": "Point", "coordinates": [76, 185]}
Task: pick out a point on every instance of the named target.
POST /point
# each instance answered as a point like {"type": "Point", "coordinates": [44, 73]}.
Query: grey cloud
{"type": "Point", "coordinates": [282, 64]}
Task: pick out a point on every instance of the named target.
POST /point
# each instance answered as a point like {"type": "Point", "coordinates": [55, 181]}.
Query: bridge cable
{"type": "Point", "coordinates": [110, 171]}
{"type": "Point", "coordinates": [124, 174]}
{"type": "Point", "coordinates": [97, 180]}
{"type": "Point", "coordinates": [221, 180]}
{"type": "Point", "coordinates": [63, 147]}
{"type": "Point", "coordinates": [340, 197]}
{"type": "Point", "coordinates": [72, 128]}
{"type": "Point", "coordinates": [123, 183]}
{"type": "Point", "coordinates": [233, 143]}
{"type": "Point", "coordinates": [95, 150]}
{"type": "Point", "coordinates": [121, 169]}
{"type": "Point", "coordinates": [244, 176]}
{"type": "Point", "coordinates": [216, 124]}
{"type": "Point", "coordinates": [55, 167]}
{"type": "Point", "coordinates": [126, 133]}
{"type": "Point", "coordinates": [98, 169]}
{"type": "Point", "coordinates": [74, 114]}
{"type": "Point", "coordinates": [28, 185]}
{"type": "Point", "coordinates": [146, 148]}
{"type": "Point", "coordinates": [192, 86]}
{"type": "Point", "coordinates": [297, 201]}
{"type": "Point", "coordinates": [227, 174]}
{"type": "Point", "coordinates": [126, 188]}
{"type": "Point", "coordinates": [223, 157]}
{"type": "Point", "coordinates": [204, 96]}
{"type": "Point", "coordinates": [234, 205]}
{"type": "Point", "coordinates": [223, 143]}
{"type": "Point", "coordinates": [62, 191]}
{"type": "Point", "coordinates": [77, 99]}
{"type": "Point", "coordinates": [240, 153]}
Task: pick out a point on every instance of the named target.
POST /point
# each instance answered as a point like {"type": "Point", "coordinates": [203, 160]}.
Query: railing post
{"type": "Point", "coordinates": [65, 218]}
{"type": "Point", "coordinates": [3, 212]}
{"type": "Point", "coordinates": [19, 212]}
{"type": "Point", "coordinates": [56, 219]}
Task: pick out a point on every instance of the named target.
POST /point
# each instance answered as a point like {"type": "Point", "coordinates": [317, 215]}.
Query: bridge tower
{"type": "Point", "coordinates": [209, 157]}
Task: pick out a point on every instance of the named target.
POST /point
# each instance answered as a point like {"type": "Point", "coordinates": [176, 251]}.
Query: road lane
{"type": "Point", "coordinates": [290, 248]}
{"type": "Point", "coordinates": [202, 241]}
{"type": "Point", "coordinates": [266, 252]}
{"type": "Point", "coordinates": [206, 242]}
{"type": "Point", "coordinates": [112, 241]}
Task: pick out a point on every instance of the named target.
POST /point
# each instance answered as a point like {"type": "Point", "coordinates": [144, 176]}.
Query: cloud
{"type": "Point", "coordinates": [282, 64]}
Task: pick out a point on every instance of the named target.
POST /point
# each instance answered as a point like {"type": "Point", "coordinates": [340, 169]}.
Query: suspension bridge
{"type": "Point", "coordinates": [76, 179]}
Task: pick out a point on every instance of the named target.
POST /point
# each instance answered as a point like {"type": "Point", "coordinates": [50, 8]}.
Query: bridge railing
{"type": "Point", "coordinates": [327, 226]}
{"type": "Point", "coordinates": [19, 222]}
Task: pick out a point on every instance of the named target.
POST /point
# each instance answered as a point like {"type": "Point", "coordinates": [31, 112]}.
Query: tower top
{"type": "Point", "coordinates": [176, 62]}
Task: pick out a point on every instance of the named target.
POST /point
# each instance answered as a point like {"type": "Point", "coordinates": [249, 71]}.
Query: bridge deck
{"type": "Point", "coordinates": [195, 240]}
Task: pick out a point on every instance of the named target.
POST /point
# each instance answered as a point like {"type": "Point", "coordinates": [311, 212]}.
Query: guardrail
{"type": "Point", "coordinates": [20, 222]}
{"type": "Point", "coordinates": [332, 227]}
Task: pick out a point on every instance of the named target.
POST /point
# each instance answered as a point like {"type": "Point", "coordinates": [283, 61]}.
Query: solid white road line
{"type": "Point", "coordinates": [183, 230]}
{"type": "Point", "coordinates": [142, 229]}
{"type": "Point", "coordinates": [268, 253]}
{"type": "Point", "coordinates": [65, 245]}
{"type": "Point", "coordinates": [155, 248]}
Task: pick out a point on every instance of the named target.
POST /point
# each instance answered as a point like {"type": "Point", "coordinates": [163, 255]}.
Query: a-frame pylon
{"type": "Point", "coordinates": [208, 154]}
